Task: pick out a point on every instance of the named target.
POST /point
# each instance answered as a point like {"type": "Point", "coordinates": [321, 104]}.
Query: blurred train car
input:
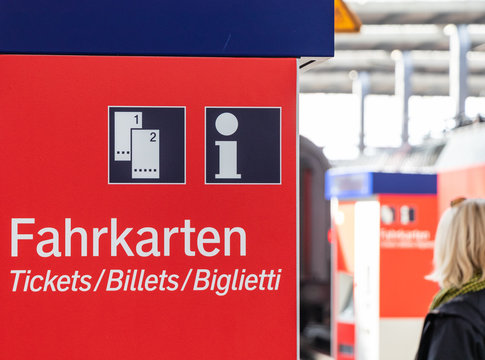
{"type": "Point", "coordinates": [461, 147]}
{"type": "Point", "coordinates": [314, 251]}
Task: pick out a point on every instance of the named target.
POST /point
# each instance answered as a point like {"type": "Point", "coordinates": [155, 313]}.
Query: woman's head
{"type": "Point", "coordinates": [459, 251]}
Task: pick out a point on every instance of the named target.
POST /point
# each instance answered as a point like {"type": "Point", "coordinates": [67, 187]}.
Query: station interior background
{"type": "Point", "coordinates": [404, 94]}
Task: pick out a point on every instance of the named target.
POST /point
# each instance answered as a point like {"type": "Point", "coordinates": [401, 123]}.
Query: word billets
{"type": "Point", "coordinates": [140, 280]}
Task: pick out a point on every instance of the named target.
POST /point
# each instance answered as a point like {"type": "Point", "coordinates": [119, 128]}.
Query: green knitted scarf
{"type": "Point", "coordinates": [445, 295]}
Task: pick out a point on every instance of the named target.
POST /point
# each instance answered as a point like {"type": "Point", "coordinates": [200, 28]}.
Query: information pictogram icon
{"type": "Point", "coordinates": [243, 145]}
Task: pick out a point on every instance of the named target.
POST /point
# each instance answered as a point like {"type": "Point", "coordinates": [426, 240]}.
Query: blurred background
{"type": "Point", "coordinates": [392, 128]}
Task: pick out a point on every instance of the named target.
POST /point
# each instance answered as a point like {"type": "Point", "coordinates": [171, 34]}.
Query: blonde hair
{"type": "Point", "coordinates": [459, 251]}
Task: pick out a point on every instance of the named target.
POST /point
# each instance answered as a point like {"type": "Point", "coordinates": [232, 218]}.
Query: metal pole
{"type": "Point", "coordinates": [361, 88]}
{"type": "Point", "coordinates": [403, 89]}
{"type": "Point", "coordinates": [459, 47]}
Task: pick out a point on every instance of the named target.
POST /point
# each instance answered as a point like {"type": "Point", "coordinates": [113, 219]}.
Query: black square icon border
{"type": "Point", "coordinates": [184, 146]}
{"type": "Point", "coordinates": [280, 146]}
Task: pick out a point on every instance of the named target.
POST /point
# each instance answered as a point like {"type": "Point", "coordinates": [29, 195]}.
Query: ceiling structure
{"type": "Point", "coordinates": [420, 28]}
{"type": "Point", "coordinates": [419, 12]}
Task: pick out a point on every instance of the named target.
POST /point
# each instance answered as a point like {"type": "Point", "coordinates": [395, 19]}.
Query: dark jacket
{"type": "Point", "coordinates": [455, 330]}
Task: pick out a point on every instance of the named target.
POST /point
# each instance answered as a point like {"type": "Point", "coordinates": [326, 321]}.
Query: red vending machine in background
{"type": "Point", "coordinates": [383, 234]}
{"type": "Point", "coordinates": [465, 181]}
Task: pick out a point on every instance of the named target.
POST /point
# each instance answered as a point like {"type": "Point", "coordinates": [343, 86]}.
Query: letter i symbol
{"type": "Point", "coordinates": [227, 124]}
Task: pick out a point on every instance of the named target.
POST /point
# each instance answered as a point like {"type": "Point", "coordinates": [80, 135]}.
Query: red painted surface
{"type": "Point", "coordinates": [344, 237]}
{"type": "Point", "coordinates": [346, 341]}
{"type": "Point", "coordinates": [468, 182]}
{"type": "Point", "coordinates": [54, 166]}
{"type": "Point", "coordinates": [406, 257]}
{"type": "Point", "coordinates": [343, 232]}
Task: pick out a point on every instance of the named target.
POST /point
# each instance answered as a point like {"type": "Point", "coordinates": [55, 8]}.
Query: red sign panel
{"type": "Point", "coordinates": [408, 225]}
{"type": "Point", "coordinates": [149, 208]}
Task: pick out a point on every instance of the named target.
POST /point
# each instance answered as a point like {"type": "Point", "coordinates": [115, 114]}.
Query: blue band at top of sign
{"type": "Point", "coordinates": [353, 184]}
{"type": "Point", "coordinates": [253, 28]}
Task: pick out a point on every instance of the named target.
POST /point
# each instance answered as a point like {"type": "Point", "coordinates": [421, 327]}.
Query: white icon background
{"type": "Point", "coordinates": [226, 125]}
{"type": "Point", "coordinates": [124, 122]}
{"type": "Point", "coordinates": [145, 162]}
